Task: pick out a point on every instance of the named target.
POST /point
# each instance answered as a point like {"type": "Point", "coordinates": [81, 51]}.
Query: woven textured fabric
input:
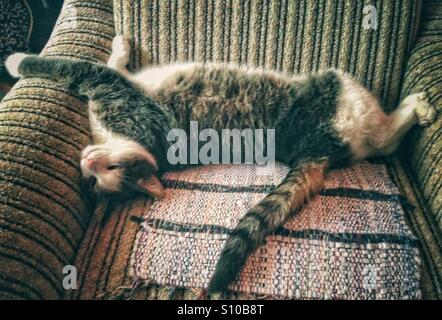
{"type": "Point", "coordinates": [351, 242]}
{"type": "Point", "coordinates": [292, 36]}
{"type": "Point", "coordinates": [424, 73]}
{"type": "Point", "coordinates": [43, 128]}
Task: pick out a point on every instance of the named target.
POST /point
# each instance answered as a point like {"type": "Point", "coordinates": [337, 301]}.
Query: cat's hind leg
{"type": "Point", "coordinates": [414, 109]}
{"type": "Point", "coordinates": [120, 55]}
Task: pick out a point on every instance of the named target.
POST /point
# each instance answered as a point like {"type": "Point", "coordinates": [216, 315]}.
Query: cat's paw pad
{"type": "Point", "coordinates": [120, 47]}
{"type": "Point", "coordinates": [425, 112]}
{"type": "Point", "coordinates": [12, 63]}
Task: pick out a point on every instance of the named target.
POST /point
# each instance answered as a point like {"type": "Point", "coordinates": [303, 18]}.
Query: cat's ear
{"type": "Point", "coordinates": [152, 186]}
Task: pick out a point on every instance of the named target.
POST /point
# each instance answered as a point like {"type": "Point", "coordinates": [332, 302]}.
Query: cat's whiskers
{"type": "Point", "coordinates": [130, 184]}
{"type": "Point", "coordinates": [126, 179]}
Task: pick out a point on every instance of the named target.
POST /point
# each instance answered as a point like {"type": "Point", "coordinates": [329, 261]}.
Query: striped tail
{"type": "Point", "coordinates": [79, 76]}
{"type": "Point", "coordinates": [302, 182]}
{"type": "Point", "coordinates": [60, 69]}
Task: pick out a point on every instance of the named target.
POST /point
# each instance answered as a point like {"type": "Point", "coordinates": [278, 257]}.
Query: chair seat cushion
{"type": "Point", "coordinates": [350, 242]}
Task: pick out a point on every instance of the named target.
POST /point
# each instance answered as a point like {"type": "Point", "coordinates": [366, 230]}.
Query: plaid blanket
{"type": "Point", "coordinates": [350, 242]}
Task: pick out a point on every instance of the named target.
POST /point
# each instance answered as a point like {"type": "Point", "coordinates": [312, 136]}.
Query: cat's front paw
{"type": "Point", "coordinates": [13, 62]}
{"type": "Point", "coordinates": [121, 49]}
{"type": "Point", "coordinates": [425, 112]}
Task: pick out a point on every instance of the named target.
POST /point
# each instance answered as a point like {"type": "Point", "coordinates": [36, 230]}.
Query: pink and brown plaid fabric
{"type": "Point", "coordinates": [350, 242]}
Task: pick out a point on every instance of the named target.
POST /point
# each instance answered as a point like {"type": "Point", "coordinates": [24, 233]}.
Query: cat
{"type": "Point", "coordinates": [322, 120]}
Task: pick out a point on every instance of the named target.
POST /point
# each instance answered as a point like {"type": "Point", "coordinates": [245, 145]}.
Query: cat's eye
{"type": "Point", "coordinates": [113, 167]}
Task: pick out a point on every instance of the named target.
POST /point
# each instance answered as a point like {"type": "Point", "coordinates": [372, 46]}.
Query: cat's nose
{"type": "Point", "coordinates": [91, 162]}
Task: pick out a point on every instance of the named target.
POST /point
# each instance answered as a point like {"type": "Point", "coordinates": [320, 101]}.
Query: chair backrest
{"type": "Point", "coordinates": [369, 39]}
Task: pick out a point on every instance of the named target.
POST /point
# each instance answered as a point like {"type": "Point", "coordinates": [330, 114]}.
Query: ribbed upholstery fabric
{"type": "Point", "coordinates": [293, 36]}
{"type": "Point", "coordinates": [420, 219]}
{"type": "Point", "coordinates": [43, 214]}
{"type": "Point", "coordinates": [422, 152]}
{"type": "Point", "coordinates": [103, 259]}
{"type": "Point", "coordinates": [424, 73]}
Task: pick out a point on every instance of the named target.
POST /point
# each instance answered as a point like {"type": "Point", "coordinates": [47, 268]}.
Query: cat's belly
{"type": "Point", "coordinates": [231, 97]}
{"type": "Point", "coordinates": [225, 96]}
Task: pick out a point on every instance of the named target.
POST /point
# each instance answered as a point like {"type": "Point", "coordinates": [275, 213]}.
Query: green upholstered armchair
{"type": "Point", "coordinates": [45, 217]}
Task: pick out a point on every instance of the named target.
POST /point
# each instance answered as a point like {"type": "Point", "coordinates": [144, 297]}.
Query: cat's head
{"type": "Point", "coordinates": [121, 166]}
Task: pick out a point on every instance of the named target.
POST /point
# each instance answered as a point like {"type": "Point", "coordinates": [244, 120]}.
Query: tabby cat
{"type": "Point", "coordinates": [322, 120]}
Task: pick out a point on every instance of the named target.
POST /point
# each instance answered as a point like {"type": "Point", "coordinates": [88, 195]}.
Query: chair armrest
{"type": "Point", "coordinates": [43, 128]}
{"type": "Point", "coordinates": [424, 73]}
{"type": "Point", "coordinates": [84, 31]}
